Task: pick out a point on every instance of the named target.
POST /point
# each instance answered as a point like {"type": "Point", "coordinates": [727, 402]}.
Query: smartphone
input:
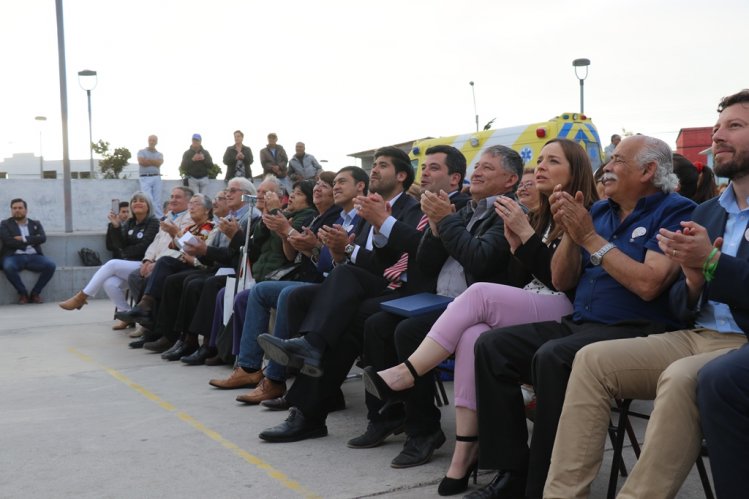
{"type": "Point", "coordinates": [115, 206]}
{"type": "Point", "coordinates": [249, 198]}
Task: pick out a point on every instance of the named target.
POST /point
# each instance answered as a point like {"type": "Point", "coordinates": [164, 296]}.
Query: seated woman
{"type": "Point", "coordinates": [200, 208]}
{"type": "Point", "coordinates": [527, 193]}
{"type": "Point", "coordinates": [484, 306]}
{"type": "Point", "coordinates": [128, 242]}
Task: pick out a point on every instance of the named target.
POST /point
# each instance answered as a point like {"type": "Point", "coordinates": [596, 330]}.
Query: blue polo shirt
{"type": "Point", "coordinates": [599, 297]}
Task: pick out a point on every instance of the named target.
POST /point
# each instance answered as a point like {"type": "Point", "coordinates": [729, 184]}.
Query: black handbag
{"type": "Point", "coordinates": [286, 273]}
{"type": "Point", "coordinates": [89, 257]}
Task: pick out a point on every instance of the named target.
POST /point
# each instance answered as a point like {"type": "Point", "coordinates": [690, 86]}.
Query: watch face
{"type": "Point", "coordinates": [349, 249]}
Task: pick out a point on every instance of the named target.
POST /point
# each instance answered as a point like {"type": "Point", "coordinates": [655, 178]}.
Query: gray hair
{"type": "Point", "coordinates": [509, 159]}
{"type": "Point", "coordinates": [277, 183]}
{"type": "Point", "coordinates": [146, 198]}
{"type": "Point", "coordinates": [657, 151]}
{"type": "Point", "coordinates": [207, 202]}
{"type": "Point", "coordinates": [244, 184]}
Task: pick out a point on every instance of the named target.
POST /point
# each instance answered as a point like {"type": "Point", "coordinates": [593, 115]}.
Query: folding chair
{"type": "Point", "coordinates": [617, 438]}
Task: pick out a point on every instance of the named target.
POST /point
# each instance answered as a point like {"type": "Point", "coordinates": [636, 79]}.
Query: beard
{"type": "Point", "coordinates": [735, 168]}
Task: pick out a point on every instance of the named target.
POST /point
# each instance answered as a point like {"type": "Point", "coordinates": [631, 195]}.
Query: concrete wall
{"type": "Point", "coordinates": [91, 200]}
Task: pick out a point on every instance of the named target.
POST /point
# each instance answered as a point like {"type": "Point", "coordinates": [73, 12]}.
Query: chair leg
{"type": "Point", "coordinates": [706, 486]}
{"type": "Point", "coordinates": [616, 461]}
{"type": "Point", "coordinates": [440, 395]}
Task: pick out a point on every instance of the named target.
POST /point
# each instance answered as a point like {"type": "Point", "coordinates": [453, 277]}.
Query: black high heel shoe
{"type": "Point", "coordinates": [451, 486]}
{"type": "Point", "coordinates": [375, 385]}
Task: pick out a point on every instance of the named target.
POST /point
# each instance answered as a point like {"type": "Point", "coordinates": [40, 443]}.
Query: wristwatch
{"type": "Point", "coordinates": [597, 257]}
{"type": "Point", "coordinates": [315, 254]}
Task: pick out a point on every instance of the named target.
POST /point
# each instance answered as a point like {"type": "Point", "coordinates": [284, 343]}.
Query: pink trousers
{"type": "Point", "coordinates": [482, 307]}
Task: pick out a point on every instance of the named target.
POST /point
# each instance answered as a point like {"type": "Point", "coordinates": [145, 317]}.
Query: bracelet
{"type": "Point", "coordinates": [709, 268]}
{"type": "Point", "coordinates": [288, 234]}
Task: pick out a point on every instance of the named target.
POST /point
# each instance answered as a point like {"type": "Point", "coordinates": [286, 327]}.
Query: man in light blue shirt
{"type": "Point", "coordinates": [150, 161]}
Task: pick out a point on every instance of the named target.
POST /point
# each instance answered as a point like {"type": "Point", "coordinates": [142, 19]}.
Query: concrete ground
{"type": "Point", "coordinates": [82, 415]}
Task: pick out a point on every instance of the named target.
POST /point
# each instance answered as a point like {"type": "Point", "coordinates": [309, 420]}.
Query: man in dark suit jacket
{"type": "Point", "coordinates": [327, 313]}
{"type": "Point", "coordinates": [22, 250]}
{"type": "Point", "coordinates": [464, 247]}
{"type": "Point", "coordinates": [710, 296]}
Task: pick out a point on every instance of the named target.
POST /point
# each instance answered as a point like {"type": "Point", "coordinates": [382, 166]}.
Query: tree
{"type": "Point", "coordinates": [213, 171]}
{"type": "Point", "coordinates": [112, 164]}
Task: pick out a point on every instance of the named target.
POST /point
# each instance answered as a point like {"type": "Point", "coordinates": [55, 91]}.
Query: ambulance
{"type": "Point", "coordinates": [527, 140]}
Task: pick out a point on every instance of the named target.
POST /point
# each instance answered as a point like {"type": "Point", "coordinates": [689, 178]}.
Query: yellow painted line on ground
{"type": "Point", "coordinates": [213, 435]}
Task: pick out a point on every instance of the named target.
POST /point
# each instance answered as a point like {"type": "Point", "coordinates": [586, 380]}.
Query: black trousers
{"type": "Point", "coordinates": [202, 299]}
{"type": "Point", "coordinates": [390, 339]}
{"type": "Point", "coordinates": [170, 306]}
{"type": "Point", "coordinates": [335, 311]}
{"type": "Point", "coordinates": [165, 266]}
{"type": "Point", "coordinates": [335, 302]}
{"type": "Point", "coordinates": [540, 354]}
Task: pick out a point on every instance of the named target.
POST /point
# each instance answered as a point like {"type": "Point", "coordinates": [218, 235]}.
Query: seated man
{"type": "Point", "coordinates": [713, 253]}
{"type": "Point", "coordinates": [458, 249]}
{"type": "Point", "coordinates": [22, 240]}
{"type": "Point", "coordinates": [611, 256]}
{"type": "Point", "coordinates": [329, 314]}
{"type": "Point", "coordinates": [349, 182]}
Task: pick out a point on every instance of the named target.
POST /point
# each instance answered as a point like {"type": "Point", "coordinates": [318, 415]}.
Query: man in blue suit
{"type": "Point", "coordinates": [22, 239]}
{"type": "Point", "coordinates": [710, 297]}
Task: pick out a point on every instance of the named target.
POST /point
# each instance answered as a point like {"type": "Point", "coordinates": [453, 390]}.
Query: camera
{"type": "Point", "coordinates": [249, 198]}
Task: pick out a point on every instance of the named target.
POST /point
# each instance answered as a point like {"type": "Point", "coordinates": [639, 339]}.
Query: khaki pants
{"type": "Point", "coordinates": [663, 367]}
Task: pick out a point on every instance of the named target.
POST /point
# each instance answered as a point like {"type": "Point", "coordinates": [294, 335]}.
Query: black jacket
{"type": "Point", "coordinates": [230, 160]}
{"type": "Point", "coordinates": [483, 251]}
{"type": "Point", "coordinates": [9, 230]}
{"type": "Point", "coordinates": [130, 240]}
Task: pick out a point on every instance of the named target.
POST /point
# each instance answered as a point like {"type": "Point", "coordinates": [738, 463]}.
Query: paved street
{"type": "Point", "coordinates": [82, 415]}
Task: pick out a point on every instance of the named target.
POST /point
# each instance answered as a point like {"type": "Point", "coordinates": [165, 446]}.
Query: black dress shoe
{"type": "Point", "coordinates": [377, 432]}
{"type": "Point", "coordinates": [146, 338]}
{"type": "Point", "coordinates": [277, 404]}
{"type": "Point", "coordinates": [506, 485]}
{"type": "Point", "coordinates": [418, 450]}
{"type": "Point", "coordinates": [295, 428]}
{"type": "Point", "coordinates": [179, 350]}
{"type": "Point", "coordinates": [296, 352]}
{"type": "Point", "coordinates": [199, 357]}
{"type": "Point", "coordinates": [162, 344]}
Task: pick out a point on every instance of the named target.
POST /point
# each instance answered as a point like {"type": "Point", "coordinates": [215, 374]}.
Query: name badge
{"type": "Point", "coordinates": [130, 232]}
{"type": "Point", "coordinates": [139, 235]}
{"type": "Point", "coordinates": [638, 232]}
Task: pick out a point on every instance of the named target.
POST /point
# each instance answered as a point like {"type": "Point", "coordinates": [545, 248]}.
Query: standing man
{"type": "Point", "coordinates": [302, 165]}
{"type": "Point", "coordinates": [22, 239]}
{"type": "Point", "coordinates": [274, 160]}
{"type": "Point", "coordinates": [610, 255]}
{"type": "Point", "coordinates": [150, 161]}
{"type": "Point", "coordinates": [608, 152]}
{"type": "Point", "coordinates": [196, 163]}
{"type": "Point", "coordinates": [238, 158]}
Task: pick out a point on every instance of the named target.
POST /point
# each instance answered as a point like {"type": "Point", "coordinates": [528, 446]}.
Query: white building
{"type": "Point", "coordinates": [29, 166]}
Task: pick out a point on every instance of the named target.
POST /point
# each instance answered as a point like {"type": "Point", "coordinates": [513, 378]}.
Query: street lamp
{"type": "Point", "coordinates": [41, 120]}
{"type": "Point", "coordinates": [581, 63]}
{"type": "Point", "coordinates": [87, 80]}
{"type": "Point", "coordinates": [474, 105]}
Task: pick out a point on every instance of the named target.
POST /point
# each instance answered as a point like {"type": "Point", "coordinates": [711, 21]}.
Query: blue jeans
{"type": "Point", "coordinates": [263, 297]}
{"type": "Point", "coordinates": [152, 186]}
{"type": "Point", "coordinates": [13, 264]}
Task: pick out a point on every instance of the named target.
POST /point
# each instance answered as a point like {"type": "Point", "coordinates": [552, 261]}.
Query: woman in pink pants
{"type": "Point", "coordinates": [485, 306]}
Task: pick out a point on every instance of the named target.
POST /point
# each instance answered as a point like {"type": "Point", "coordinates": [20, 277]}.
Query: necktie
{"type": "Point", "coordinates": [394, 272]}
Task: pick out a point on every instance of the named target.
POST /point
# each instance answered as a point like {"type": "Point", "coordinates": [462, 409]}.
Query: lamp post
{"type": "Point", "coordinates": [581, 63]}
{"type": "Point", "coordinates": [474, 105]}
{"type": "Point", "coordinates": [41, 120]}
{"type": "Point", "coordinates": [87, 79]}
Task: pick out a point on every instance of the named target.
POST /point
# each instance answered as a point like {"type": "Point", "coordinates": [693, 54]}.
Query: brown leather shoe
{"type": "Point", "coordinates": [239, 378]}
{"type": "Point", "coordinates": [159, 346]}
{"type": "Point", "coordinates": [120, 325]}
{"type": "Point", "coordinates": [76, 301]}
{"type": "Point", "coordinates": [23, 299]}
{"type": "Point", "coordinates": [266, 390]}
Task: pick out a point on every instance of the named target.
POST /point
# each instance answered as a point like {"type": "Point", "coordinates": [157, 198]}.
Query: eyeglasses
{"type": "Point", "coordinates": [526, 185]}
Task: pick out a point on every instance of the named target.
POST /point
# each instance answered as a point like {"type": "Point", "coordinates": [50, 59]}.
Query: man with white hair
{"type": "Point", "coordinates": [712, 250]}
{"type": "Point", "coordinates": [610, 257]}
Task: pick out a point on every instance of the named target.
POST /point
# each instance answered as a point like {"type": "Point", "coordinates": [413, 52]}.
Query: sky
{"type": "Point", "coordinates": [348, 76]}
